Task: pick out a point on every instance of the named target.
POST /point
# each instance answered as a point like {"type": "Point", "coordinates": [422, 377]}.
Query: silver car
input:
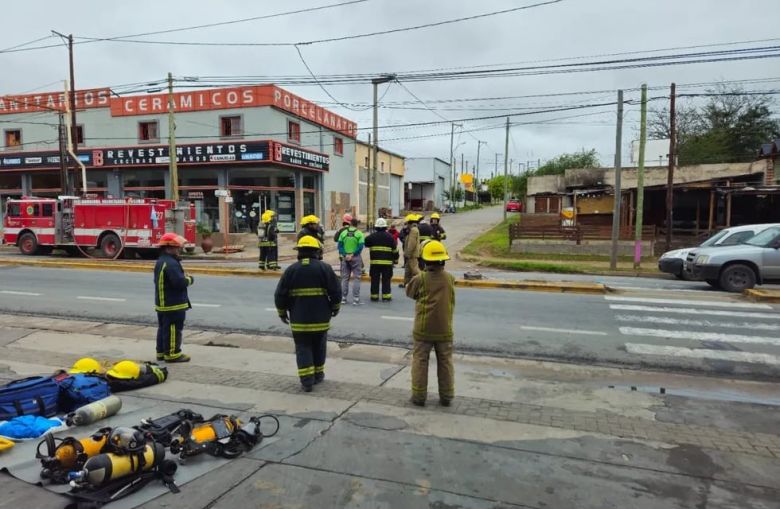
{"type": "Point", "coordinates": [737, 268]}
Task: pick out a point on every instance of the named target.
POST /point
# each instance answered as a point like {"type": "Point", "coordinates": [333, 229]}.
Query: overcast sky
{"type": "Point", "coordinates": [570, 28]}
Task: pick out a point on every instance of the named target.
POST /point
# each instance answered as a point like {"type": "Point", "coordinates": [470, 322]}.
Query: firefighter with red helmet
{"type": "Point", "coordinates": [170, 298]}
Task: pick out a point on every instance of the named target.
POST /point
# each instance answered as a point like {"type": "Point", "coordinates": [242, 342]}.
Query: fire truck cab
{"type": "Point", "coordinates": [113, 226]}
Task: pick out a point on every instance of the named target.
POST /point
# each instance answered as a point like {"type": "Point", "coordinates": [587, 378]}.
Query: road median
{"type": "Point", "coordinates": [125, 266]}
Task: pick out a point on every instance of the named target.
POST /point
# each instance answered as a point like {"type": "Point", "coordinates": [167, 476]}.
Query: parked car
{"type": "Point", "coordinates": [672, 262]}
{"type": "Point", "coordinates": [737, 268]}
{"type": "Point", "coordinates": [514, 206]}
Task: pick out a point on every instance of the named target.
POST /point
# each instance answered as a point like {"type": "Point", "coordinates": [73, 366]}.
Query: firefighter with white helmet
{"type": "Point", "coordinates": [383, 252]}
{"type": "Point", "coordinates": [170, 298]}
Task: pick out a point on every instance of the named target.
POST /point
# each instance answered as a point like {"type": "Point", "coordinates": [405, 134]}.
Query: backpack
{"type": "Point", "coordinates": [37, 395]}
{"type": "Point", "coordinates": [154, 375]}
{"type": "Point", "coordinates": [81, 389]}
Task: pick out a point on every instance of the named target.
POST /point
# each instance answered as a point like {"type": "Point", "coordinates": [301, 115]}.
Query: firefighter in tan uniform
{"type": "Point", "coordinates": [434, 291]}
{"type": "Point", "coordinates": [411, 248]}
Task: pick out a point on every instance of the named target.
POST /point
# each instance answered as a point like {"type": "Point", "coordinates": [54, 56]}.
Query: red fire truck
{"type": "Point", "coordinates": [113, 226]}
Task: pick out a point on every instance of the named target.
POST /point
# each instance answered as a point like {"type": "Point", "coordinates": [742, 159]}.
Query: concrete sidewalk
{"type": "Point", "coordinates": [520, 433]}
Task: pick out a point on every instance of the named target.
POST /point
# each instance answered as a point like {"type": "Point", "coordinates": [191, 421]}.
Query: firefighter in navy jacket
{"type": "Point", "coordinates": [307, 297]}
{"type": "Point", "coordinates": [170, 298]}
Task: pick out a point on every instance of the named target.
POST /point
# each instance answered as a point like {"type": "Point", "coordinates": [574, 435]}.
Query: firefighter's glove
{"type": "Point", "coordinates": [191, 279]}
{"type": "Point", "coordinates": [284, 318]}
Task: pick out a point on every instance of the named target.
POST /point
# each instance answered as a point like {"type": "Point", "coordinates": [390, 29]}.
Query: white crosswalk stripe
{"type": "Point", "coordinates": [699, 336]}
{"type": "Point", "coordinates": [698, 329]}
{"type": "Point", "coordinates": [703, 353]}
{"type": "Point", "coordinates": [685, 302]}
{"type": "Point", "coordinates": [694, 311]}
{"type": "Point", "coordinates": [696, 323]}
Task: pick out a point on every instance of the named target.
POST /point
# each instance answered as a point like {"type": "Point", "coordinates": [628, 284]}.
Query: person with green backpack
{"type": "Point", "coordinates": [351, 243]}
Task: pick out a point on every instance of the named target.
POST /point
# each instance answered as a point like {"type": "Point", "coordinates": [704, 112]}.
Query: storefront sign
{"type": "Point", "coordinates": [262, 152]}
{"type": "Point", "coordinates": [288, 154]}
{"type": "Point", "coordinates": [48, 101]}
{"type": "Point", "coordinates": [230, 98]}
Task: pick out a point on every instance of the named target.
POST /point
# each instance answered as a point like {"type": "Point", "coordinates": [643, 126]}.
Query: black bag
{"type": "Point", "coordinates": [153, 375]}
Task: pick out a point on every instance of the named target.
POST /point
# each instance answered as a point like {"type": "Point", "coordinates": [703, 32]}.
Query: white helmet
{"type": "Point", "coordinates": [380, 223]}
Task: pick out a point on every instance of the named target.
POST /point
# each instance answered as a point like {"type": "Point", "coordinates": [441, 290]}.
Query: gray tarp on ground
{"type": "Point", "coordinates": [21, 463]}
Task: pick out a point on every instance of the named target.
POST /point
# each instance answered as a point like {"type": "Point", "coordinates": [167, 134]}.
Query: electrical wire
{"type": "Point", "coordinates": [333, 39]}
{"type": "Point", "coordinates": [224, 23]}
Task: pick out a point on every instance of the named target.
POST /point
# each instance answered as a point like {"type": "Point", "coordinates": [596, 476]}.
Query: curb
{"type": "Point", "coordinates": [541, 286]}
{"type": "Point", "coordinates": [771, 296]}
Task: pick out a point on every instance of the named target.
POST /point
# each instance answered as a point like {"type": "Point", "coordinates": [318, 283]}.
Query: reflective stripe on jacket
{"type": "Point", "coordinates": [309, 291]}
{"type": "Point", "coordinates": [170, 285]}
{"type": "Point", "coordinates": [382, 248]}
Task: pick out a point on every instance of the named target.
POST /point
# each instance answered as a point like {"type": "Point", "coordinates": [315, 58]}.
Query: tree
{"type": "Point", "coordinates": [563, 162]}
{"type": "Point", "coordinates": [728, 127]}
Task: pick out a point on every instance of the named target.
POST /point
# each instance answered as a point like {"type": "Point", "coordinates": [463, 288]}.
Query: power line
{"type": "Point", "coordinates": [326, 40]}
{"type": "Point", "coordinates": [223, 23]}
{"type": "Point", "coordinates": [26, 43]}
{"type": "Point", "coordinates": [314, 77]}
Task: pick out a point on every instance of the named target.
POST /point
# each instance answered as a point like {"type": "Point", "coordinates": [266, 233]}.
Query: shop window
{"type": "Point", "coordinates": [382, 166]}
{"type": "Point", "coordinates": [338, 146]}
{"type": "Point", "coordinates": [13, 137]}
{"type": "Point", "coordinates": [366, 163]}
{"type": "Point", "coordinates": [308, 182]}
{"type": "Point", "coordinates": [79, 135]}
{"type": "Point", "coordinates": [10, 181]}
{"type": "Point", "coordinates": [45, 180]}
{"type": "Point", "coordinates": [149, 131]}
{"type": "Point", "coordinates": [294, 131]}
{"type": "Point", "coordinates": [230, 126]}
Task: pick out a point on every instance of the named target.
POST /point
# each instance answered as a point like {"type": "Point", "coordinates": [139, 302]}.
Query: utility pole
{"type": "Point", "coordinates": [618, 161]}
{"type": "Point", "coordinates": [452, 161]}
{"type": "Point", "coordinates": [371, 213]}
{"type": "Point", "coordinates": [63, 157]}
{"type": "Point", "coordinates": [640, 183]}
{"type": "Point", "coordinates": [479, 144]}
{"type": "Point", "coordinates": [173, 168]}
{"type": "Point", "coordinates": [672, 160]}
{"type": "Point", "coordinates": [506, 167]}
{"type": "Point", "coordinates": [72, 101]}
{"type": "Point", "coordinates": [368, 175]}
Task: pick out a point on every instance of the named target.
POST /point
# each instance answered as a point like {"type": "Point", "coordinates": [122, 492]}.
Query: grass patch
{"type": "Point", "coordinates": [466, 208]}
{"type": "Point", "coordinates": [532, 266]}
{"type": "Point", "coordinates": [492, 249]}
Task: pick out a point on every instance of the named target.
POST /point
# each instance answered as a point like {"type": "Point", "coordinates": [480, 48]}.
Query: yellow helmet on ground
{"type": "Point", "coordinates": [125, 370]}
{"type": "Point", "coordinates": [435, 215]}
{"type": "Point", "coordinates": [311, 218]}
{"type": "Point", "coordinates": [308, 242]}
{"type": "Point", "coordinates": [434, 251]}
{"type": "Point", "coordinates": [86, 365]}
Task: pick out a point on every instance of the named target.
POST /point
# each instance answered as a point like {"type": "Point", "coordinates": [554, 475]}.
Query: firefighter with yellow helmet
{"type": "Point", "coordinates": [438, 230]}
{"type": "Point", "coordinates": [267, 238]}
{"type": "Point", "coordinates": [307, 297]}
{"type": "Point", "coordinates": [170, 298]}
{"type": "Point", "coordinates": [311, 226]}
{"type": "Point", "coordinates": [434, 291]}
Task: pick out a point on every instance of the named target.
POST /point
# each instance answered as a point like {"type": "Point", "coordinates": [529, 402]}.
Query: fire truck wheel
{"type": "Point", "coordinates": [110, 245]}
{"type": "Point", "coordinates": [28, 244]}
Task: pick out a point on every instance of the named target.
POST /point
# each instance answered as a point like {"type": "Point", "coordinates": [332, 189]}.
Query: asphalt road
{"type": "Point", "coordinates": [677, 330]}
